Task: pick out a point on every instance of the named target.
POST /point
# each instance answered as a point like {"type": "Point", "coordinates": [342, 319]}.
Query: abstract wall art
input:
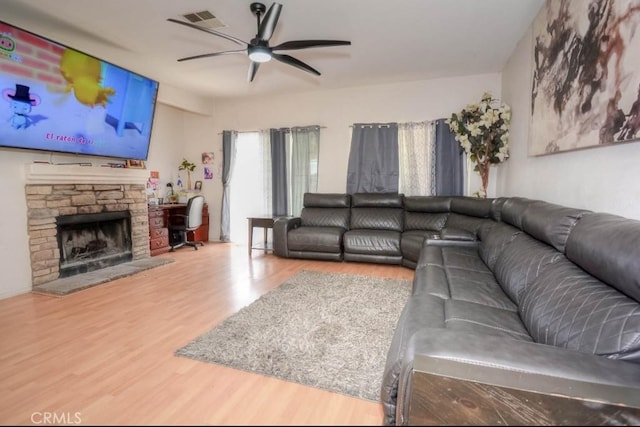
{"type": "Point", "coordinates": [585, 88]}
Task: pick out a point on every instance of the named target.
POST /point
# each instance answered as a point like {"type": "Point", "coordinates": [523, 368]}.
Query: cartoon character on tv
{"type": "Point", "coordinates": [83, 75]}
{"type": "Point", "coordinates": [20, 103]}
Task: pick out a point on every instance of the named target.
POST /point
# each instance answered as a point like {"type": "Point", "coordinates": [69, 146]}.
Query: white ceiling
{"type": "Point", "coordinates": [391, 41]}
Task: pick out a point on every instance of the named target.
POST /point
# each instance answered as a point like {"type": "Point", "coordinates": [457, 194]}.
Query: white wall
{"type": "Point", "coordinates": [601, 179]}
{"type": "Point", "coordinates": [338, 109]}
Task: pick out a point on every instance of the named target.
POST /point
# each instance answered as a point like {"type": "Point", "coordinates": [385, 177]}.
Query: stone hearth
{"type": "Point", "coordinates": [56, 190]}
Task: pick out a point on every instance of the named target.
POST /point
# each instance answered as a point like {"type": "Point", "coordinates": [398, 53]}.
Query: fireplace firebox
{"type": "Point", "coordinates": [89, 242]}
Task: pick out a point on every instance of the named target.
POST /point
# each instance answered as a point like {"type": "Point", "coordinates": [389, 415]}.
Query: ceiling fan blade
{"type": "Point", "coordinates": [253, 68]}
{"type": "Point", "coordinates": [207, 30]}
{"type": "Point", "coordinates": [208, 55]}
{"type": "Point", "coordinates": [290, 60]}
{"type": "Point", "coordinates": [304, 44]}
{"type": "Point", "coordinates": [268, 24]}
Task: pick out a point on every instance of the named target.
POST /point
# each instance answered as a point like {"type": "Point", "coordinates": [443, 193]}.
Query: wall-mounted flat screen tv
{"type": "Point", "coordinates": [58, 99]}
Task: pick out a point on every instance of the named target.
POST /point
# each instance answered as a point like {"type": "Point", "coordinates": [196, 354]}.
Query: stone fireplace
{"type": "Point", "coordinates": [84, 218]}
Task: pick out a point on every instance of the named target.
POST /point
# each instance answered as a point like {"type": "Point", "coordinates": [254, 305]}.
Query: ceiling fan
{"type": "Point", "coordinates": [258, 48]}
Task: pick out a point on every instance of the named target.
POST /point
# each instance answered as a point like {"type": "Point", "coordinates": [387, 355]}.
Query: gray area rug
{"type": "Point", "coordinates": [67, 285]}
{"type": "Point", "coordinates": [326, 330]}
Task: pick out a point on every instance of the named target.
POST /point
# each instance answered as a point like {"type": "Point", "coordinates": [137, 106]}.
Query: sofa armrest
{"type": "Point", "coordinates": [281, 227]}
{"type": "Point", "coordinates": [521, 382]}
{"type": "Point", "coordinates": [458, 234]}
{"type": "Point", "coordinates": [452, 237]}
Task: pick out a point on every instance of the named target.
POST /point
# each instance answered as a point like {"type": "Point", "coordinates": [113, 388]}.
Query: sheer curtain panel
{"type": "Point", "coordinates": [264, 142]}
{"type": "Point", "coordinates": [417, 157]}
{"type": "Point", "coordinates": [305, 144]}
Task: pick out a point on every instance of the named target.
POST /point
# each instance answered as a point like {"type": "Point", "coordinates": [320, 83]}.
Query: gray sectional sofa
{"type": "Point", "coordinates": [509, 292]}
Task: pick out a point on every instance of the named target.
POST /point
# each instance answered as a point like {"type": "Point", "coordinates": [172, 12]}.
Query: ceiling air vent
{"type": "Point", "coordinates": [205, 19]}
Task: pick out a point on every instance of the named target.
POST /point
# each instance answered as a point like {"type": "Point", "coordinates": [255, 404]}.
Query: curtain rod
{"type": "Point", "coordinates": [386, 125]}
{"type": "Point", "coordinates": [283, 128]}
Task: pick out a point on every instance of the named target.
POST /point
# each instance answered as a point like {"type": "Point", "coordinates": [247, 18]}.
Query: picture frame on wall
{"type": "Point", "coordinates": [135, 164]}
{"type": "Point", "coordinates": [198, 186]}
{"type": "Point", "coordinates": [585, 88]}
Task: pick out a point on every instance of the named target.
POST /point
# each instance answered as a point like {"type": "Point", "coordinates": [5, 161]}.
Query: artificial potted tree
{"type": "Point", "coordinates": [189, 167]}
{"type": "Point", "coordinates": [483, 133]}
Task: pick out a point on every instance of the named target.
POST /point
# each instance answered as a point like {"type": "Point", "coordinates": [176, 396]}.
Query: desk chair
{"type": "Point", "coordinates": [191, 220]}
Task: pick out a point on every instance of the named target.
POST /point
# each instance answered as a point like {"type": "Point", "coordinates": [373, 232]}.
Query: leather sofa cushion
{"type": "Point", "coordinates": [457, 272]}
{"type": "Point", "coordinates": [316, 239]}
{"type": "Point", "coordinates": [427, 204]}
{"type": "Point", "coordinates": [521, 262]}
{"type": "Point", "coordinates": [482, 319]}
{"type": "Point", "coordinates": [608, 246]}
{"type": "Point", "coordinates": [372, 242]}
{"type": "Point", "coordinates": [471, 206]}
{"type": "Point", "coordinates": [550, 223]}
{"type": "Point", "coordinates": [465, 222]}
{"type": "Point", "coordinates": [493, 238]}
{"type": "Point", "coordinates": [326, 200]}
{"type": "Point", "coordinates": [377, 200]}
{"type": "Point", "coordinates": [377, 219]}
{"type": "Point", "coordinates": [325, 217]}
{"type": "Point", "coordinates": [424, 221]}
{"type": "Point", "coordinates": [513, 210]}
{"type": "Point", "coordinates": [567, 307]}
{"type": "Point", "coordinates": [496, 208]}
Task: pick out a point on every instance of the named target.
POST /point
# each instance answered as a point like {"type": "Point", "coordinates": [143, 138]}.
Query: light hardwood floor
{"type": "Point", "coordinates": [105, 355]}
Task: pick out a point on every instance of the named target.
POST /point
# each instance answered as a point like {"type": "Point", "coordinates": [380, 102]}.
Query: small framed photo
{"type": "Point", "coordinates": [135, 164]}
{"type": "Point", "coordinates": [198, 186]}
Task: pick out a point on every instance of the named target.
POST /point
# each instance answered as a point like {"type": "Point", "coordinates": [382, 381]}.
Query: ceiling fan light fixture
{"type": "Point", "coordinates": [259, 54]}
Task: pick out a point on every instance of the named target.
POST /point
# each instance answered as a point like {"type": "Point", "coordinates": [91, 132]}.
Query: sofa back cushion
{"type": "Point", "coordinates": [471, 206]}
{"type": "Point", "coordinates": [325, 217]}
{"type": "Point", "coordinates": [513, 210]}
{"type": "Point", "coordinates": [427, 204]}
{"type": "Point", "coordinates": [377, 219]}
{"type": "Point", "coordinates": [326, 210]}
{"type": "Point", "coordinates": [550, 223]}
{"type": "Point", "coordinates": [465, 222]}
{"type": "Point", "coordinates": [493, 238]}
{"type": "Point", "coordinates": [424, 221]}
{"type": "Point", "coordinates": [608, 247]}
{"type": "Point", "coordinates": [567, 307]}
{"type": "Point", "coordinates": [496, 208]}
{"type": "Point", "coordinates": [378, 211]}
{"type": "Point", "coordinates": [326, 200]}
{"type": "Point", "coordinates": [521, 262]}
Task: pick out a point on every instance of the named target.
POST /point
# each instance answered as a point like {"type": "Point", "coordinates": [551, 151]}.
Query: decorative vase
{"type": "Point", "coordinates": [484, 175]}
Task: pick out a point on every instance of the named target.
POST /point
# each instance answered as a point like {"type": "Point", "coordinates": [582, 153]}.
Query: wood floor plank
{"type": "Point", "coordinates": [107, 352]}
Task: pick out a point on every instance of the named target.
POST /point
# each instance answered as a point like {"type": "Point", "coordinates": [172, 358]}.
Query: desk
{"type": "Point", "coordinates": [266, 222]}
{"type": "Point", "coordinates": [159, 239]}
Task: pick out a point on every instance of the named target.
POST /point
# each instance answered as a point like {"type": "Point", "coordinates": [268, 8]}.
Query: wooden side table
{"type": "Point", "coordinates": [266, 222]}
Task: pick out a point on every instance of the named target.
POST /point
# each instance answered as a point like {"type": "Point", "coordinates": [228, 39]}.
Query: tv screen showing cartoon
{"type": "Point", "coordinates": [59, 99]}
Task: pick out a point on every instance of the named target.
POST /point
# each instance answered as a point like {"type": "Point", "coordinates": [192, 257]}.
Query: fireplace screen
{"type": "Point", "coordinates": [89, 242]}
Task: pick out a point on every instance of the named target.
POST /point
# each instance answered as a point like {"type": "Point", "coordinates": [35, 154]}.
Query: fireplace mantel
{"type": "Point", "coordinates": [43, 173]}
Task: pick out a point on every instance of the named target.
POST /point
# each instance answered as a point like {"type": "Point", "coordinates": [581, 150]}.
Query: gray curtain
{"type": "Point", "coordinates": [228, 159]}
{"type": "Point", "coordinates": [304, 165]}
{"type": "Point", "coordinates": [373, 159]}
{"type": "Point", "coordinates": [279, 171]}
{"type": "Point", "coordinates": [449, 163]}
